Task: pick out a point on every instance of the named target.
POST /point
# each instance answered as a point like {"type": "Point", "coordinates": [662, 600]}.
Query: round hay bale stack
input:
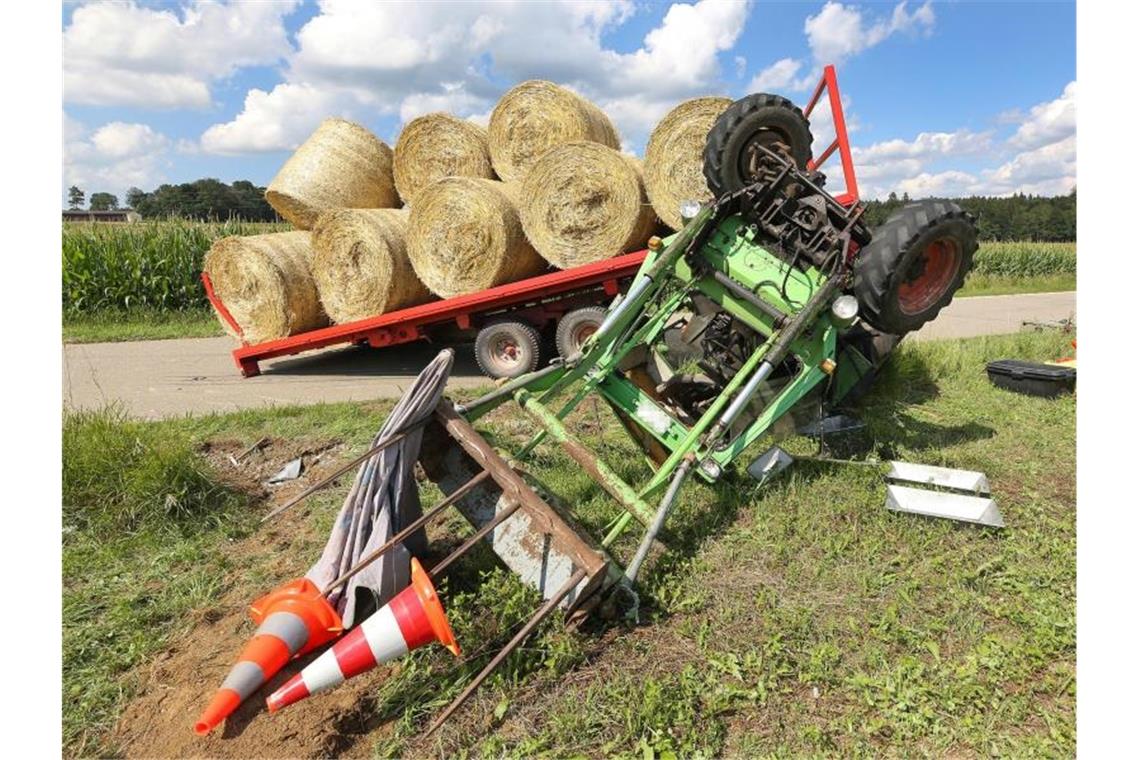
{"type": "Point", "coordinates": [341, 165]}
{"type": "Point", "coordinates": [266, 284]}
{"type": "Point", "coordinates": [674, 166]}
{"type": "Point", "coordinates": [535, 116]}
{"type": "Point", "coordinates": [439, 145]}
{"type": "Point", "coordinates": [464, 235]}
{"type": "Point", "coordinates": [583, 202]}
{"type": "Point", "coordinates": [360, 263]}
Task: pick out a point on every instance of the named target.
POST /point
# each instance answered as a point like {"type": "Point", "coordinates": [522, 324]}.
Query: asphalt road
{"type": "Point", "coordinates": [163, 378]}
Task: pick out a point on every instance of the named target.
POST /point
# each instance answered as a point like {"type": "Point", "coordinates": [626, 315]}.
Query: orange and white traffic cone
{"type": "Point", "coordinates": [412, 619]}
{"type": "Point", "coordinates": [292, 620]}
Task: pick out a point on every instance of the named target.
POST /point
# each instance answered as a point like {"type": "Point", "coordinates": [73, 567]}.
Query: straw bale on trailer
{"type": "Point", "coordinates": [341, 165]}
{"type": "Point", "coordinates": [464, 235]}
{"type": "Point", "coordinates": [266, 284]}
{"type": "Point", "coordinates": [674, 157]}
{"type": "Point", "coordinates": [439, 145]}
{"type": "Point", "coordinates": [534, 117]}
{"type": "Point", "coordinates": [583, 202]}
{"type": "Point", "coordinates": [360, 263]}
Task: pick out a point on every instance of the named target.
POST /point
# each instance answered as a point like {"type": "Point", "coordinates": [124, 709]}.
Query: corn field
{"type": "Point", "coordinates": [147, 265]}
{"type": "Point", "coordinates": [1025, 259]}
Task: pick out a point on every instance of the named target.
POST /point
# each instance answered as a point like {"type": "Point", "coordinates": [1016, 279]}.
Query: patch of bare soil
{"type": "Point", "coordinates": [179, 683]}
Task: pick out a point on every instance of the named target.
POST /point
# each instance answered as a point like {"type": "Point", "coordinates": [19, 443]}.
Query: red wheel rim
{"type": "Point", "coordinates": [505, 353]}
{"type": "Point", "coordinates": [929, 276]}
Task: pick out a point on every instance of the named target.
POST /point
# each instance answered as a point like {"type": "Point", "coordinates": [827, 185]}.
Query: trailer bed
{"type": "Point", "coordinates": [410, 324]}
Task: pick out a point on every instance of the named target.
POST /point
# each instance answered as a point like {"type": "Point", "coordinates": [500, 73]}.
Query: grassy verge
{"type": "Point", "coordinates": [140, 324]}
{"type": "Point", "coordinates": [1004, 285]}
{"type": "Point", "coordinates": [795, 620]}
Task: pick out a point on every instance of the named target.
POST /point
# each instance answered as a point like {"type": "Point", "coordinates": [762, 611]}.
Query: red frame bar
{"type": "Point", "coordinates": [828, 81]}
{"type": "Point", "coordinates": [406, 325]}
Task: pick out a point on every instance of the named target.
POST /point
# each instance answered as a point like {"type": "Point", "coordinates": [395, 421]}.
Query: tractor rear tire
{"type": "Point", "coordinates": [575, 327]}
{"type": "Point", "coordinates": [759, 118]}
{"type": "Point", "coordinates": [507, 349]}
{"type": "Point", "coordinates": [915, 263]}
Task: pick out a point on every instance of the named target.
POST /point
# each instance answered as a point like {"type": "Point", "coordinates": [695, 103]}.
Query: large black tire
{"type": "Point", "coordinates": [575, 327]}
{"type": "Point", "coordinates": [507, 348]}
{"type": "Point", "coordinates": [760, 118]}
{"type": "Point", "coordinates": [914, 264]}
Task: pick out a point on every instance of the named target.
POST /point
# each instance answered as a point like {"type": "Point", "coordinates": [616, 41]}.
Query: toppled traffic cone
{"type": "Point", "coordinates": [292, 621]}
{"type": "Point", "coordinates": [412, 619]}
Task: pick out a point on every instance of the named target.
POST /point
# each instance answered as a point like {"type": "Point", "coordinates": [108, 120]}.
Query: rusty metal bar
{"type": "Point", "coordinates": [543, 612]}
{"type": "Point", "coordinates": [418, 523]}
{"type": "Point", "coordinates": [383, 444]}
{"type": "Point", "coordinates": [598, 470]}
{"type": "Point", "coordinates": [487, 527]}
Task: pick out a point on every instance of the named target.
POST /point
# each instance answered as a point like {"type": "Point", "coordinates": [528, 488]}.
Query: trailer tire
{"type": "Point", "coordinates": [760, 118]}
{"type": "Point", "coordinates": [507, 348]}
{"type": "Point", "coordinates": [915, 263]}
{"type": "Point", "coordinates": [575, 327]}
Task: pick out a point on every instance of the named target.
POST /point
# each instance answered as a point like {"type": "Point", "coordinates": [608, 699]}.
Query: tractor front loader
{"type": "Point", "coordinates": [773, 293]}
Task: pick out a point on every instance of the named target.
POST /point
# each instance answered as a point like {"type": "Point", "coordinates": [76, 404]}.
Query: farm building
{"type": "Point", "coordinates": [116, 215]}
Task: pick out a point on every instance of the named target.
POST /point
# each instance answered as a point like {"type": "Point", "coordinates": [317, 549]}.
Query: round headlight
{"type": "Point", "coordinates": [844, 310]}
{"type": "Point", "coordinates": [689, 209]}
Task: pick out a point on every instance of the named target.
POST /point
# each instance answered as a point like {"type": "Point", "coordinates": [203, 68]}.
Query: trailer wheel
{"type": "Point", "coordinates": [758, 119]}
{"type": "Point", "coordinates": [575, 327]}
{"type": "Point", "coordinates": [914, 264]}
{"type": "Point", "coordinates": [508, 348]}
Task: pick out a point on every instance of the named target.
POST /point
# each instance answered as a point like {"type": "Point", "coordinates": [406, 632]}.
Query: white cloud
{"type": "Point", "coordinates": [1050, 169]}
{"type": "Point", "coordinates": [114, 157]}
{"type": "Point", "coordinates": [276, 120]}
{"type": "Point", "coordinates": [1049, 122]}
{"type": "Point", "coordinates": [457, 57]}
{"type": "Point", "coordinates": [948, 183]}
{"type": "Point", "coordinates": [126, 54]}
{"type": "Point", "coordinates": [838, 31]}
{"type": "Point", "coordinates": [776, 77]}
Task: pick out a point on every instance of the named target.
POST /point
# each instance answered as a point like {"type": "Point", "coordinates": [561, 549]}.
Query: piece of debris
{"type": "Point", "coordinates": [253, 447]}
{"type": "Point", "coordinates": [291, 471]}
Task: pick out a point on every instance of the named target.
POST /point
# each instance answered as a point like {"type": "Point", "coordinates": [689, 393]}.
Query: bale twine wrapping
{"type": "Point", "coordinates": [464, 235]}
{"type": "Point", "coordinates": [266, 284]}
{"type": "Point", "coordinates": [535, 116]}
{"type": "Point", "coordinates": [341, 165]}
{"type": "Point", "coordinates": [439, 145]}
{"type": "Point", "coordinates": [583, 202]}
{"type": "Point", "coordinates": [674, 157]}
{"type": "Point", "coordinates": [360, 263]}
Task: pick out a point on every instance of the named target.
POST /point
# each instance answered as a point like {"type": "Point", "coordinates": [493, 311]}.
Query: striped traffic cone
{"type": "Point", "coordinates": [292, 620]}
{"type": "Point", "coordinates": [412, 619]}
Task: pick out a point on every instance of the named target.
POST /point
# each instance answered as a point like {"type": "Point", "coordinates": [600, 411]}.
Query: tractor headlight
{"type": "Point", "coordinates": [844, 310]}
{"type": "Point", "coordinates": [689, 210]}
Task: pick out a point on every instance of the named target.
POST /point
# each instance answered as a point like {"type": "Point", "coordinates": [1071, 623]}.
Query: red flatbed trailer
{"type": "Point", "coordinates": [537, 299]}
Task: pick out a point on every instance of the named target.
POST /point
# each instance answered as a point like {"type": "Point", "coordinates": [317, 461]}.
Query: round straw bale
{"type": "Point", "coordinates": [535, 116]}
{"type": "Point", "coordinates": [341, 165]}
{"type": "Point", "coordinates": [439, 145]}
{"type": "Point", "coordinates": [360, 263]}
{"type": "Point", "coordinates": [266, 284]}
{"type": "Point", "coordinates": [674, 157]}
{"type": "Point", "coordinates": [464, 235]}
{"type": "Point", "coordinates": [583, 202]}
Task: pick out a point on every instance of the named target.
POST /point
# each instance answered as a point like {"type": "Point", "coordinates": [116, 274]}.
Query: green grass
{"type": "Point", "coordinates": [800, 619]}
{"type": "Point", "coordinates": [1026, 259]}
{"type": "Point", "coordinates": [1004, 285]}
{"type": "Point", "coordinates": [140, 324]}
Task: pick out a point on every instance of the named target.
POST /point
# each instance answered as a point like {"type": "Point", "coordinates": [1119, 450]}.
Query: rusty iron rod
{"type": "Point", "coordinates": [486, 528]}
{"type": "Point", "coordinates": [383, 444]}
{"type": "Point", "coordinates": [418, 523]}
{"type": "Point", "coordinates": [543, 612]}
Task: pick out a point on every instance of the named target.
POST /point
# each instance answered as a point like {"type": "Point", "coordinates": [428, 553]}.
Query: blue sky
{"type": "Point", "coordinates": [942, 98]}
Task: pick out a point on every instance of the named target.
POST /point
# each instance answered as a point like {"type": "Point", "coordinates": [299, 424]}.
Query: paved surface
{"type": "Point", "coordinates": [162, 378]}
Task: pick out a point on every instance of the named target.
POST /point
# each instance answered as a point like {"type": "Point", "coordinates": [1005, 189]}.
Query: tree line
{"type": "Point", "coordinates": [1015, 217]}
{"type": "Point", "coordinates": [202, 200]}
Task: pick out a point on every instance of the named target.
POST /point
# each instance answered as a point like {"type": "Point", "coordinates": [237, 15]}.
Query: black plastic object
{"type": "Point", "coordinates": [1031, 378]}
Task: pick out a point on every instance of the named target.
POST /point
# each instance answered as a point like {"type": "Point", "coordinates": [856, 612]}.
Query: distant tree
{"type": "Point", "coordinates": [893, 197]}
{"type": "Point", "coordinates": [207, 199]}
{"type": "Point", "coordinates": [135, 196]}
{"type": "Point", "coordinates": [104, 202]}
{"type": "Point", "coordinates": [1016, 217]}
{"type": "Point", "coordinates": [75, 197]}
